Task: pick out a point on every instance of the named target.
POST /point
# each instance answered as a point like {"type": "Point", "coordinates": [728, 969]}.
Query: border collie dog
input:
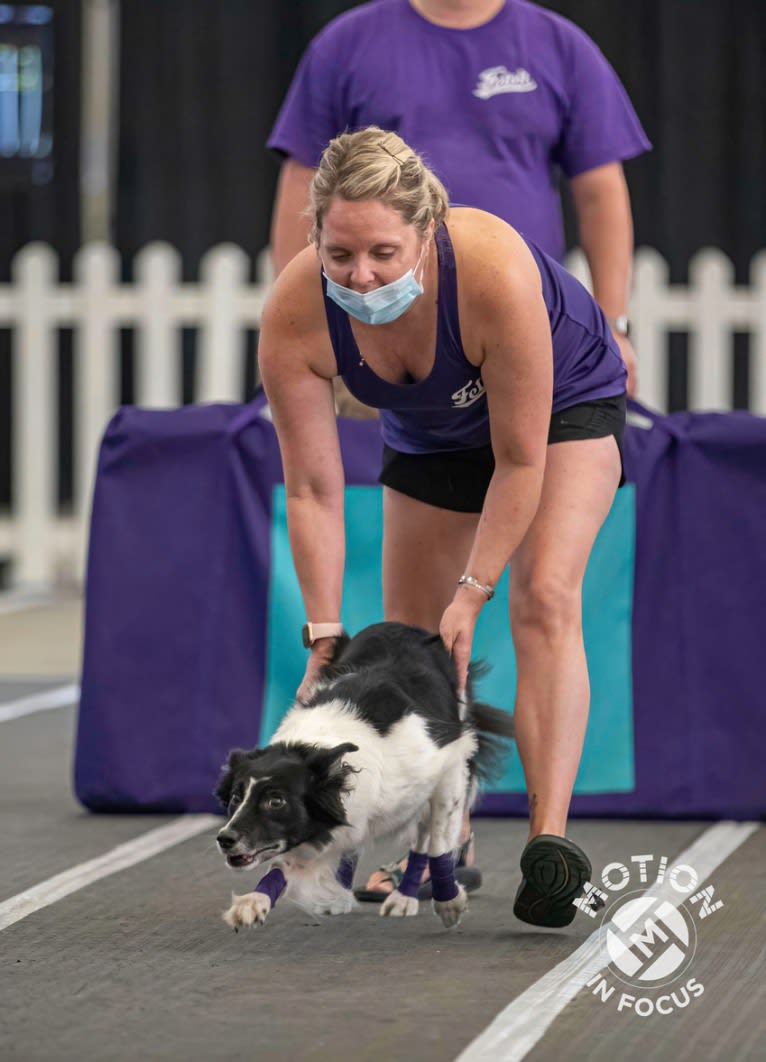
{"type": "Point", "coordinates": [385, 748]}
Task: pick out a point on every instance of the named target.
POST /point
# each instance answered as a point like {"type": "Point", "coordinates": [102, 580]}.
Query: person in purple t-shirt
{"type": "Point", "coordinates": [498, 96]}
{"type": "Point", "coordinates": [502, 398]}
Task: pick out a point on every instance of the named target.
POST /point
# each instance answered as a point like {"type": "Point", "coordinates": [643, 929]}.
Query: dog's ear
{"type": "Point", "coordinates": [327, 761]}
{"type": "Point", "coordinates": [324, 798]}
{"type": "Point", "coordinates": [339, 644]}
{"type": "Point", "coordinates": [236, 758]}
{"type": "Point", "coordinates": [222, 792]}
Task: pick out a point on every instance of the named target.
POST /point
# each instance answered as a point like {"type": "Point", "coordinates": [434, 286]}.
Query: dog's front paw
{"type": "Point", "coordinates": [451, 911]}
{"type": "Point", "coordinates": [248, 909]}
{"type": "Point", "coordinates": [396, 905]}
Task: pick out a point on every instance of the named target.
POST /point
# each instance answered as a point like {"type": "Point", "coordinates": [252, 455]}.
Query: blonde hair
{"type": "Point", "coordinates": [373, 163]}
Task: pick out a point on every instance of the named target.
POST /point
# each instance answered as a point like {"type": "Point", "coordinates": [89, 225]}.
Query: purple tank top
{"type": "Point", "coordinates": [448, 409]}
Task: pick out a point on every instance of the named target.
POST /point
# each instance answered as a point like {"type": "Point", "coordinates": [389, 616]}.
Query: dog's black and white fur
{"type": "Point", "coordinates": [386, 747]}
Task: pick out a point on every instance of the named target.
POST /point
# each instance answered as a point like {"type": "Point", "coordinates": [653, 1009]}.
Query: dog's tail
{"type": "Point", "coordinates": [494, 732]}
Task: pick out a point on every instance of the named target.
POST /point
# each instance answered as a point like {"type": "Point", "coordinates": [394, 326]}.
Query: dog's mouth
{"type": "Point", "coordinates": [248, 859]}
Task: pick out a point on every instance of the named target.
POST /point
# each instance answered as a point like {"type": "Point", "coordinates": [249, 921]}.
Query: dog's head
{"type": "Point", "coordinates": [280, 797]}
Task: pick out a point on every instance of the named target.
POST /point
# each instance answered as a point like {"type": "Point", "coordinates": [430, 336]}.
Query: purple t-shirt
{"type": "Point", "coordinates": [494, 110]}
{"type": "Point", "coordinates": [448, 409]}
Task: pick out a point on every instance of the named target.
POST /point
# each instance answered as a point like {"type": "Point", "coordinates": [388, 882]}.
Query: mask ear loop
{"type": "Point", "coordinates": [426, 242]}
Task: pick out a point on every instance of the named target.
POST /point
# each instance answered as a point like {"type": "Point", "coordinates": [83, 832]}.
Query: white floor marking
{"type": "Point", "coordinates": [20, 600]}
{"type": "Point", "coordinates": [60, 697]}
{"type": "Point", "coordinates": [124, 855]}
{"type": "Point", "coordinates": [517, 1028]}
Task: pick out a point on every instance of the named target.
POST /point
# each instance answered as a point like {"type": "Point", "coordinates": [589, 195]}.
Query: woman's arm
{"type": "Point", "coordinates": [504, 316]}
{"type": "Point", "coordinates": [517, 371]}
{"type": "Point", "coordinates": [297, 365]}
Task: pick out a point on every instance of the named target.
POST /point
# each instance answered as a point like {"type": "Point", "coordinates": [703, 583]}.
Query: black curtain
{"type": "Point", "coordinates": [200, 85]}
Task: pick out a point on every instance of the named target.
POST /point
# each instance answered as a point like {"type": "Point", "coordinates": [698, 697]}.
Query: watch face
{"type": "Point", "coordinates": [622, 326]}
{"type": "Point", "coordinates": [306, 636]}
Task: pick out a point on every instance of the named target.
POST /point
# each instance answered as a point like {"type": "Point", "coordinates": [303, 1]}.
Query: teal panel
{"type": "Point", "coordinates": [607, 761]}
{"type": "Point", "coordinates": [362, 595]}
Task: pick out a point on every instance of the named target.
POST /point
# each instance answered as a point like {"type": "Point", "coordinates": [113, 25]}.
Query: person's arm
{"type": "Point", "coordinates": [296, 375]}
{"type": "Point", "coordinates": [602, 203]}
{"type": "Point", "coordinates": [505, 296]}
{"type": "Point", "coordinates": [289, 223]}
{"type": "Point", "coordinates": [314, 110]}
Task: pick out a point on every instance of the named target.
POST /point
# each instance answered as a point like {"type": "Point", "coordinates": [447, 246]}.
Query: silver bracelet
{"type": "Point", "coordinates": [486, 589]}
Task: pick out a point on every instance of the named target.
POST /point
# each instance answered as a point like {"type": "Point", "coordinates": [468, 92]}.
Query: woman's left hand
{"type": "Point", "coordinates": [457, 627]}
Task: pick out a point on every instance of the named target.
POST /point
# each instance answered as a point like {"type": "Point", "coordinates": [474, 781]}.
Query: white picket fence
{"type": "Point", "coordinates": [47, 547]}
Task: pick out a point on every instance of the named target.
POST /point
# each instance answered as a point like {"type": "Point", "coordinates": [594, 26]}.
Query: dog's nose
{"type": "Point", "coordinates": [227, 840]}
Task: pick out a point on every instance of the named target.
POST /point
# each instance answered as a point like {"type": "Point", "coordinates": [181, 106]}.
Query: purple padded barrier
{"type": "Point", "coordinates": [699, 616]}
{"type": "Point", "coordinates": [700, 613]}
{"type": "Point", "coordinates": [175, 617]}
{"type": "Point", "coordinates": [176, 609]}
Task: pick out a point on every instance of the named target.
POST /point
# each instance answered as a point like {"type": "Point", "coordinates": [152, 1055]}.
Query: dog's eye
{"type": "Point", "coordinates": [274, 803]}
{"type": "Point", "coordinates": [236, 799]}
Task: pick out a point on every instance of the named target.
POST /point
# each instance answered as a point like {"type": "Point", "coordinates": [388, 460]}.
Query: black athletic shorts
{"type": "Point", "coordinates": [458, 479]}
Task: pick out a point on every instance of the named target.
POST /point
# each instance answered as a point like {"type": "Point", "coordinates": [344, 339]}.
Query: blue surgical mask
{"type": "Point", "coordinates": [381, 305]}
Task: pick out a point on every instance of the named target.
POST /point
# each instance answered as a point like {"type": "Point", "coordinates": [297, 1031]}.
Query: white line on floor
{"type": "Point", "coordinates": [20, 600]}
{"type": "Point", "coordinates": [517, 1028]}
{"type": "Point", "coordinates": [60, 697]}
{"type": "Point", "coordinates": [124, 855]}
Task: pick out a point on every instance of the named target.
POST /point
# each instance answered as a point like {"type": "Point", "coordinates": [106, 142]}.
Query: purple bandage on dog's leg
{"type": "Point", "coordinates": [272, 885]}
{"type": "Point", "coordinates": [413, 875]}
{"type": "Point", "coordinates": [345, 872]}
{"type": "Point", "coordinates": [444, 887]}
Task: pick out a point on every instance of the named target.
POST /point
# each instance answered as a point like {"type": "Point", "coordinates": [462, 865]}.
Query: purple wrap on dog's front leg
{"type": "Point", "coordinates": [413, 874]}
{"type": "Point", "coordinates": [444, 887]}
{"type": "Point", "coordinates": [272, 885]}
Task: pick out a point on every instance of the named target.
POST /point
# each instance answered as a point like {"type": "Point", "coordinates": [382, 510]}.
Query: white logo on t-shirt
{"type": "Point", "coordinates": [469, 394]}
{"type": "Point", "coordinates": [497, 79]}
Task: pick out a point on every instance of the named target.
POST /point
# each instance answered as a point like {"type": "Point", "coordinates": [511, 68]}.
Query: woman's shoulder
{"type": "Point", "coordinates": [296, 302]}
{"type": "Point", "coordinates": [473, 221]}
{"type": "Point", "coordinates": [487, 249]}
{"type": "Point", "coordinates": [294, 320]}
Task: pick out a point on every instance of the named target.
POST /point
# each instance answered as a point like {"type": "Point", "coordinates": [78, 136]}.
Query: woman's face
{"type": "Point", "coordinates": [365, 245]}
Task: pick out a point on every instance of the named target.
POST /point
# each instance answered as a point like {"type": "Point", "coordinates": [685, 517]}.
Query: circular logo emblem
{"type": "Point", "coordinates": [650, 942]}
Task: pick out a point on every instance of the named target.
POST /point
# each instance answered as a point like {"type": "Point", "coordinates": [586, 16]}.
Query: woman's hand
{"type": "Point", "coordinates": [457, 627]}
{"type": "Point", "coordinates": [321, 653]}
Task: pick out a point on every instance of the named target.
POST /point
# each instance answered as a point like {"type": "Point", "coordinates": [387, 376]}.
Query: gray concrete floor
{"type": "Point", "coordinates": [140, 966]}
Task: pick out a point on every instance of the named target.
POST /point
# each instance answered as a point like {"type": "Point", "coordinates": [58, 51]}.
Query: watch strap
{"type": "Point", "coordinates": [312, 632]}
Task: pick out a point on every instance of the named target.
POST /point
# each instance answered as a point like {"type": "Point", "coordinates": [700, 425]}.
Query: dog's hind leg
{"type": "Point", "coordinates": [403, 901]}
{"type": "Point", "coordinates": [447, 804]}
{"type": "Point", "coordinates": [346, 869]}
